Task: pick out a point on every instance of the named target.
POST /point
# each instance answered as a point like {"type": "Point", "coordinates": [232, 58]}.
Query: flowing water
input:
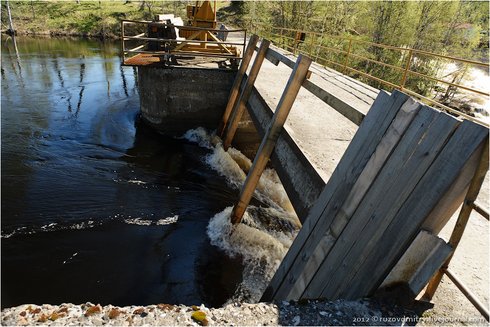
{"type": "Point", "coordinates": [95, 206]}
{"type": "Point", "coordinates": [98, 207]}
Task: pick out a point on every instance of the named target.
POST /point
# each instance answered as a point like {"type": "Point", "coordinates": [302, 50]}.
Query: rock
{"type": "Point", "coordinates": [200, 318]}
{"type": "Point", "coordinates": [43, 318]}
{"type": "Point", "coordinates": [165, 307]}
{"type": "Point", "coordinates": [296, 320]}
{"type": "Point", "coordinates": [139, 311]}
{"type": "Point", "coordinates": [114, 313]}
{"type": "Point", "coordinates": [92, 310]}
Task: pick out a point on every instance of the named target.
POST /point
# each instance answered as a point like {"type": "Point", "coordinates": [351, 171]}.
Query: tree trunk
{"type": "Point", "coordinates": [33, 13]}
{"type": "Point", "coordinates": [11, 24]}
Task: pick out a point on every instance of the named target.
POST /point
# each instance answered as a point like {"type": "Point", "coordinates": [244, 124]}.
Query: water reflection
{"type": "Point", "coordinates": [76, 167]}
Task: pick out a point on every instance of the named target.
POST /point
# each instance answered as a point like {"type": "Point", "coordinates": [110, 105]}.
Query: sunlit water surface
{"type": "Point", "coordinates": [95, 206]}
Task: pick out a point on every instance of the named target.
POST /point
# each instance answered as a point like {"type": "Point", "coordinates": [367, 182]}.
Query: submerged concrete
{"type": "Point", "coordinates": [174, 100]}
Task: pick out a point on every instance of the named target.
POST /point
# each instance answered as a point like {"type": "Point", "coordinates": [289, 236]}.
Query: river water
{"type": "Point", "coordinates": [95, 206]}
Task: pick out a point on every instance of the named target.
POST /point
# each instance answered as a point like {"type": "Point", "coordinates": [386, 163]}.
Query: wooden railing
{"type": "Point", "coordinates": [312, 44]}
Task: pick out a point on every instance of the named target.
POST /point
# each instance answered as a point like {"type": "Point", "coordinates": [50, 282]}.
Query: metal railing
{"type": "Point", "coordinates": [312, 44]}
{"type": "Point", "coordinates": [201, 42]}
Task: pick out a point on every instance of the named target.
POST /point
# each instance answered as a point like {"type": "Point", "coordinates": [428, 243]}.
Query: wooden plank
{"type": "Point", "coordinates": [236, 114]}
{"type": "Point", "coordinates": [236, 84]}
{"type": "Point", "coordinates": [383, 150]}
{"type": "Point", "coordinates": [220, 43]}
{"type": "Point", "coordinates": [346, 173]}
{"type": "Point", "coordinates": [299, 177]}
{"type": "Point", "coordinates": [399, 176]}
{"type": "Point", "coordinates": [463, 217]}
{"type": "Point", "coordinates": [404, 227]}
{"type": "Point", "coordinates": [425, 255]}
{"type": "Point", "coordinates": [453, 198]}
{"type": "Point", "coordinates": [191, 37]}
{"type": "Point", "coordinates": [274, 56]}
{"type": "Point", "coordinates": [270, 138]}
{"type": "Point", "coordinates": [270, 56]}
{"type": "Point", "coordinates": [336, 103]}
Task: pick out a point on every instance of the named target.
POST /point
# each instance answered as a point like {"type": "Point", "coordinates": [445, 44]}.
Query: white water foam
{"type": "Point", "coordinates": [233, 165]}
{"type": "Point", "coordinates": [265, 234]}
{"type": "Point", "coordinates": [138, 221]}
{"type": "Point", "coordinates": [52, 227]}
{"type": "Point", "coordinates": [147, 222]}
{"type": "Point", "coordinates": [168, 220]}
{"type": "Point", "coordinates": [261, 249]}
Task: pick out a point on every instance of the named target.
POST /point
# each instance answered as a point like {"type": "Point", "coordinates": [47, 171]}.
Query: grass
{"type": "Point", "coordinates": [87, 18]}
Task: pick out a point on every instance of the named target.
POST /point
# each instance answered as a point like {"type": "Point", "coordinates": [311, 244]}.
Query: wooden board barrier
{"type": "Point", "coordinates": [404, 158]}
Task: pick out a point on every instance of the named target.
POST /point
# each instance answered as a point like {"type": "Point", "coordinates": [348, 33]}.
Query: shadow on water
{"type": "Point", "coordinates": [96, 206]}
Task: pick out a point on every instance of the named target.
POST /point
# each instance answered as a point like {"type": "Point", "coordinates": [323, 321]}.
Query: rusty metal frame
{"type": "Point", "coordinates": [198, 48]}
{"type": "Point", "coordinates": [406, 71]}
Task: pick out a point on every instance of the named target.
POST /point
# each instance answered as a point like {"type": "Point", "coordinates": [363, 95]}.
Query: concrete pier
{"type": "Point", "coordinates": [174, 100]}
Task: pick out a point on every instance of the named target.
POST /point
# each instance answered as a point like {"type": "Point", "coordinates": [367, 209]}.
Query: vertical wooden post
{"type": "Point", "coordinates": [239, 107]}
{"type": "Point", "coordinates": [122, 42]}
{"type": "Point", "coordinates": [247, 56]}
{"type": "Point", "coordinates": [463, 217]}
{"type": "Point", "coordinates": [298, 75]}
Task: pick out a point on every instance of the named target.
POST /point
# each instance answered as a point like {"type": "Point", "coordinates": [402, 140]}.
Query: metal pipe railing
{"type": "Point", "coordinates": [466, 292]}
{"type": "Point", "coordinates": [406, 69]}
{"type": "Point", "coordinates": [212, 48]}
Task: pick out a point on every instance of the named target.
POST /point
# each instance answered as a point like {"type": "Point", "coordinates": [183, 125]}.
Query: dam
{"type": "Point", "coordinates": [331, 194]}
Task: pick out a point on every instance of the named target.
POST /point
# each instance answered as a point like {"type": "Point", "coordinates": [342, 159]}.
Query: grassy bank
{"type": "Point", "coordinates": [83, 18]}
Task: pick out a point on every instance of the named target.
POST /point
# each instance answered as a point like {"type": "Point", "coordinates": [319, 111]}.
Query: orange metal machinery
{"type": "Point", "coordinates": [202, 14]}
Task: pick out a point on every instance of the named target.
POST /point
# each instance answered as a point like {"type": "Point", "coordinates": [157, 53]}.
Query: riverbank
{"type": "Point", "coordinates": [99, 19]}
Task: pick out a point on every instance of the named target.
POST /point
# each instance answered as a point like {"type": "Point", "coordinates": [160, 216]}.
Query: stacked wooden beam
{"type": "Point", "coordinates": [405, 164]}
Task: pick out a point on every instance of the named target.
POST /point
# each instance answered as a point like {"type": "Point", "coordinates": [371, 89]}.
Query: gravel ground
{"type": "Point", "coordinates": [312, 313]}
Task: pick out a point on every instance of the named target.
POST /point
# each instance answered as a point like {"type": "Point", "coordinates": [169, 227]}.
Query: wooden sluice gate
{"type": "Point", "coordinates": [374, 224]}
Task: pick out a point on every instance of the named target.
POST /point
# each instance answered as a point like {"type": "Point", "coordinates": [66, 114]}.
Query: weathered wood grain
{"type": "Point", "coordinates": [351, 165]}
{"type": "Point", "coordinates": [410, 160]}
{"type": "Point", "coordinates": [425, 255]}
{"type": "Point", "coordinates": [240, 105]}
{"type": "Point", "coordinates": [403, 228]}
{"type": "Point", "coordinates": [270, 138]}
{"type": "Point", "coordinates": [383, 150]}
{"type": "Point", "coordinates": [299, 177]}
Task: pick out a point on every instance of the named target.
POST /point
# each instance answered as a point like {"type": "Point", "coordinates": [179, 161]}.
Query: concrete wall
{"type": "Point", "coordinates": [174, 100]}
